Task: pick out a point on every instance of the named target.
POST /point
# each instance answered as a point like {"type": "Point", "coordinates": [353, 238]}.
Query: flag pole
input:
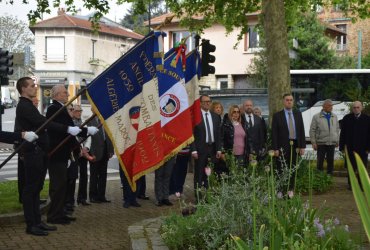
{"type": "Point", "coordinates": [80, 92]}
{"type": "Point", "coordinates": [69, 136]}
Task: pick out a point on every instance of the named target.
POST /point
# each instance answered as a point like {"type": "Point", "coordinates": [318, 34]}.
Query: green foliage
{"type": "Point", "coordinates": [365, 63]}
{"type": "Point", "coordinates": [245, 210]}
{"type": "Point", "coordinates": [313, 46]}
{"type": "Point", "coordinates": [9, 196]}
{"type": "Point", "coordinates": [362, 198]}
{"type": "Point", "coordinates": [138, 14]}
{"type": "Point", "coordinates": [321, 182]}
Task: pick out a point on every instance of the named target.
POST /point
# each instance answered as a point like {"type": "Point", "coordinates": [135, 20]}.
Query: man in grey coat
{"type": "Point", "coordinates": [324, 134]}
{"type": "Point", "coordinates": [101, 148]}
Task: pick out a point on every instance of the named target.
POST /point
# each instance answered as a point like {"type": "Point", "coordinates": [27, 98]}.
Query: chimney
{"type": "Point", "coordinates": [61, 11]}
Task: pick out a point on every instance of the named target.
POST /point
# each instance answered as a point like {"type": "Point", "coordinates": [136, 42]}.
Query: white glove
{"type": "Point", "coordinates": [30, 136]}
{"type": "Point", "coordinates": [73, 130]}
{"type": "Point", "coordinates": [92, 130]}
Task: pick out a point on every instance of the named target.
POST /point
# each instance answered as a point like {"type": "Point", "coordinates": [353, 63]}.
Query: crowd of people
{"type": "Point", "coordinates": [241, 132]}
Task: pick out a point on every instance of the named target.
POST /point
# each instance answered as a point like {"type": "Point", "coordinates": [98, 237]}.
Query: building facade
{"type": "Point", "coordinates": [68, 51]}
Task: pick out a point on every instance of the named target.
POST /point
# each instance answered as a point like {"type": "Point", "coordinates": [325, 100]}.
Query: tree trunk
{"type": "Point", "coordinates": [277, 52]}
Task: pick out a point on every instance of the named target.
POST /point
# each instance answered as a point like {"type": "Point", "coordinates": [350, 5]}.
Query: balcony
{"type": "Point", "coordinates": [341, 46]}
{"type": "Point", "coordinates": [55, 58]}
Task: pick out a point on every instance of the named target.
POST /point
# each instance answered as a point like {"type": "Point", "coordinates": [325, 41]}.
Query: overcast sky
{"type": "Point", "coordinates": [21, 10]}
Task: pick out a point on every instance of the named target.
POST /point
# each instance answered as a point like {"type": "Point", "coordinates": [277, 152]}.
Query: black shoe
{"type": "Point", "coordinates": [45, 227]}
{"type": "Point", "coordinates": [135, 204]}
{"type": "Point", "coordinates": [167, 202]}
{"type": "Point", "coordinates": [95, 200]}
{"type": "Point", "coordinates": [143, 197]}
{"type": "Point", "coordinates": [83, 203]}
{"type": "Point", "coordinates": [126, 204]}
{"type": "Point", "coordinates": [36, 231]}
{"type": "Point", "coordinates": [69, 209]}
{"type": "Point", "coordinates": [69, 218]}
{"type": "Point", "coordinates": [60, 221]}
{"type": "Point", "coordinates": [43, 201]}
{"type": "Point", "coordinates": [104, 200]}
{"type": "Point", "coordinates": [158, 203]}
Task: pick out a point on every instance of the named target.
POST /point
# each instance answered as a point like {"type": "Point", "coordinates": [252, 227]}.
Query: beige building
{"type": "Point", "coordinates": [68, 51]}
{"type": "Point", "coordinates": [232, 62]}
{"type": "Point", "coordinates": [348, 43]}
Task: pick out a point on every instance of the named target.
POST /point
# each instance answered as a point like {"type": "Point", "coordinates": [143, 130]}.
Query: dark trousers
{"type": "Point", "coordinates": [128, 195]}
{"type": "Point", "coordinates": [21, 177]}
{"type": "Point", "coordinates": [57, 188]}
{"type": "Point", "coordinates": [70, 195]}
{"type": "Point", "coordinates": [82, 186]}
{"type": "Point", "coordinates": [179, 171]}
{"type": "Point", "coordinates": [35, 167]}
{"type": "Point", "coordinates": [98, 178]}
{"type": "Point", "coordinates": [363, 155]}
{"type": "Point", "coordinates": [200, 178]}
{"type": "Point", "coordinates": [328, 152]}
{"type": "Point", "coordinates": [162, 179]}
{"type": "Point", "coordinates": [141, 186]}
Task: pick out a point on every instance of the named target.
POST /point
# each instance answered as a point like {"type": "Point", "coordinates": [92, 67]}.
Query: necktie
{"type": "Point", "coordinates": [291, 126]}
{"type": "Point", "coordinates": [249, 121]}
{"type": "Point", "coordinates": [209, 138]}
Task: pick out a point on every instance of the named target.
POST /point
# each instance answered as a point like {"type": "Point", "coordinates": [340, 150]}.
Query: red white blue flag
{"type": "Point", "coordinates": [177, 130]}
{"type": "Point", "coordinates": [192, 76]}
{"type": "Point", "coordinates": [126, 99]}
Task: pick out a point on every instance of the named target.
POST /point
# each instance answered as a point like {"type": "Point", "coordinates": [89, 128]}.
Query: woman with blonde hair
{"type": "Point", "coordinates": [233, 134]}
{"type": "Point", "coordinates": [217, 108]}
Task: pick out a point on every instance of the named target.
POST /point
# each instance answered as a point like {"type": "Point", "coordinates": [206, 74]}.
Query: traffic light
{"type": "Point", "coordinates": [6, 63]}
{"type": "Point", "coordinates": [207, 58]}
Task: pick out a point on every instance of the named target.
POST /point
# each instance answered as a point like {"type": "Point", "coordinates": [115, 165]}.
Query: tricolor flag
{"type": "Point", "coordinates": [126, 99]}
{"type": "Point", "coordinates": [177, 130]}
{"type": "Point", "coordinates": [192, 75]}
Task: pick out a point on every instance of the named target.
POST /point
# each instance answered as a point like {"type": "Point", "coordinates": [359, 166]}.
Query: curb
{"type": "Point", "coordinates": [145, 235]}
{"type": "Point", "coordinates": [13, 218]}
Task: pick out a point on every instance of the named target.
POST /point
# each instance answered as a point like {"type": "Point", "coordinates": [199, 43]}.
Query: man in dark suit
{"type": "Point", "coordinates": [207, 142]}
{"type": "Point", "coordinates": [59, 160]}
{"type": "Point", "coordinates": [355, 135]}
{"type": "Point", "coordinates": [101, 148]}
{"type": "Point", "coordinates": [288, 137]}
{"type": "Point", "coordinates": [35, 159]}
{"type": "Point", "coordinates": [255, 128]}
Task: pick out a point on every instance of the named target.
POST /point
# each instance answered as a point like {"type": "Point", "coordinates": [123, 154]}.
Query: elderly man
{"type": "Point", "coordinates": [59, 160]}
{"type": "Point", "coordinates": [324, 134]}
{"type": "Point", "coordinates": [355, 135]}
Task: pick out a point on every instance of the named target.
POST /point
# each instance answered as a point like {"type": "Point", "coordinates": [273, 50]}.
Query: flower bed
{"type": "Point", "coordinates": [253, 209]}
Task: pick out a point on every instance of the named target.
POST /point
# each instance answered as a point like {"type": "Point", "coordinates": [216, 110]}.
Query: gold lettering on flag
{"type": "Point", "coordinates": [112, 95]}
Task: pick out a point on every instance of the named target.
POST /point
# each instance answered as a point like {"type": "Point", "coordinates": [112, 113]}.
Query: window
{"type": "Point", "coordinates": [55, 49]}
{"type": "Point", "coordinates": [190, 41]}
{"type": "Point", "coordinates": [93, 48]}
{"type": "Point", "coordinates": [222, 82]}
{"type": "Point", "coordinates": [251, 42]}
{"type": "Point", "coordinates": [337, 7]}
{"type": "Point", "coordinates": [342, 39]}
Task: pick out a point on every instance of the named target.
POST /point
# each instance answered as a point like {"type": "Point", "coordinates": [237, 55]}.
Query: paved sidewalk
{"type": "Point", "coordinates": [99, 226]}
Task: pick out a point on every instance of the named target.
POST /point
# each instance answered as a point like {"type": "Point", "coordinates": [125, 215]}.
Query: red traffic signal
{"type": "Point", "coordinates": [207, 58]}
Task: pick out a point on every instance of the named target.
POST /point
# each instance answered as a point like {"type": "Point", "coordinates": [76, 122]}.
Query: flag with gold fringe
{"type": "Point", "coordinates": [126, 99]}
{"type": "Point", "coordinates": [176, 123]}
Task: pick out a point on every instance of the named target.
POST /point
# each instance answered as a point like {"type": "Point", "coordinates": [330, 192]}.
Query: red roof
{"type": "Point", "coordinates": [67, 21]}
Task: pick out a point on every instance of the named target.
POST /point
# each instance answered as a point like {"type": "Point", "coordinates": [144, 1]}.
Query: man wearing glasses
{"type": "Point", "coordinates": [207, 142]}
{"type": "Point", "coordinates": [355, 135]}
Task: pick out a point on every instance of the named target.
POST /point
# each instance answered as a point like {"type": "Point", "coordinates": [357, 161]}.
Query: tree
{"type": "Point", "coordinates": [276, 16]}
{"type": "Point", "coordinates": [365, 63]}
{"type": "Point", "coordinates": [14, 34]}
{"type": "Point", "coordinates": [135, 21]}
